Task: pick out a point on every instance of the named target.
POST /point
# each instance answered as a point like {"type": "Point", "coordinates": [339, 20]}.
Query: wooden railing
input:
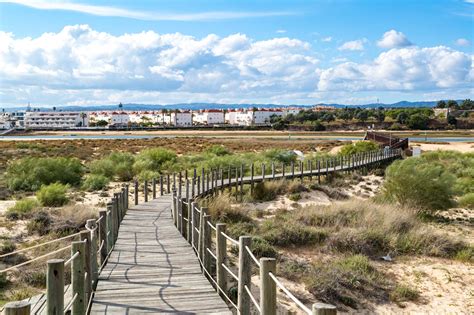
{"type": "Point", "coordinates": [89, 255]}
{"type": "Point", "coordinates": [387, 140]}
{"type": "Point", "coordinates": [194, 223]}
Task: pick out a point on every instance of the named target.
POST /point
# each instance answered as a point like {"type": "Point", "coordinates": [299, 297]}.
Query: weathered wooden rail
{"type": "Point", "coordinates": [97, 243]}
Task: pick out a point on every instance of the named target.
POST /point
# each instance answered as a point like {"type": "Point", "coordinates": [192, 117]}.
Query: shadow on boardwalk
{"type": "Point", "coordinates": [152, 269]}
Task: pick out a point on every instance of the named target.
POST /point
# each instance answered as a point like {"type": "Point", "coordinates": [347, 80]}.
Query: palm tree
{"type": "Point", "coordinates": [120, 106]}
{"type": "Point", "coordinates": [83, 116]}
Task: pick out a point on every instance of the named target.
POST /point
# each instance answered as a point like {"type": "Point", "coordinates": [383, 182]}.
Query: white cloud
{"type": "Point", "coordinates": [140, 15]}
{"type": "Point", "coordinates": [353, 45]}
{"type": "Point", "coordinates": [463, 41]}
{"type": "Point", "coordinates": [404, 69]}
{"type": "Point", "coordinates": [393, 39]}
{"type": "Point", "coordinates": [327, 39]}
{"type": "Point", "coordinates": [281, 31]}
{"type": "Point", "coordinates": [79, 65]}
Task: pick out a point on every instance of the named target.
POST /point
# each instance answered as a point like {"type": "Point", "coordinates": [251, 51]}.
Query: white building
{"type": "Point", "coordinates": [181, 118]}
{"type": "Point", "coordinates": [45, 120]}
{"type": "Point", "coordinates": [209, 117]}
{"type": "Point", "coordinates": [292, 110]}
{"type": "Point", "coordinates": [262, 116]}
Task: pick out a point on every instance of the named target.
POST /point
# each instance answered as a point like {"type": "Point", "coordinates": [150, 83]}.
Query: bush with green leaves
{"type": "Point", "coordinates": [358, 147]}
{"type": "Point", "coordinates": [95, 182]}
{"type": "Point", "coordinates": [30, 173]}
{"type": "Point", "coordinates": [153, 160]}
{"type": "Point", "coordinates": [467, 201]}
{"type": "Point", "coordinates": [53, 195]}
{"type": "Point", "coordinates": [117, 164]}
{"type": "Point", "coordinates": [417, 183]}
{"type": "Point", "coordinates": [22, 209]}
{"type": "Point", "coordinates": [218, 150]}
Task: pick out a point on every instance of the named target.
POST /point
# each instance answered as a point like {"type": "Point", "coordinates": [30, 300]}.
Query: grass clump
{"type": "Point", "coordinates": [29, 174]}
{"type": "Point", "coordinates": [346, 280]}
{"type": "Point", "coordinates": [95, 182]}
{"type": "Point", "coordinates": [7, 247]}
{"type": "Point", "coordinates": [467, 201]}
{"type": "Point", "coordinates": [22, 209]}
{"type": "Point", "coordinates": [40, 223]}
{"type": "Point", "coordinates": [153, 160]}
{"type": "Point", "coordinates": [53, 195]}
{"type": "Point", "coordinates": [290, 233]}
{"type": "Point", "coordinates": [262, 248]}
{"type": "Point", "coordinates": [404, 293]}
{"type": "Point", "coordinates": [268, 190]}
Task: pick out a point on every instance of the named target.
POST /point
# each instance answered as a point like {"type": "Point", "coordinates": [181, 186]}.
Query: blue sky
{"type": "Point", "coordinates": [348, 51]}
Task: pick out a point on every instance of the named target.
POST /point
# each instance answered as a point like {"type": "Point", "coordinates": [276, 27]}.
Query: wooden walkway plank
{"type": "Point", "coordinates": [152, 269]}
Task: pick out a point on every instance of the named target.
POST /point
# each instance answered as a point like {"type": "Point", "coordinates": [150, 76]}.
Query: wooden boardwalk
{"type": "Point", "coordinates": [153, 269]}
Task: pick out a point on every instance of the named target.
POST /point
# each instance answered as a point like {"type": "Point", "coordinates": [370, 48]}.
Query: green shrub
{"type": "Point", "coordinates": [403, 293]}
{"type": "Point", "coordinates": [116, 164]}
{"type": "Point", "coordinates": [218, 150]}
{"type": "Point", "coordinates": [22, 208]}
{"type": "Point", "coordinates": [95, 182]}
{"type": "Point", "coordinates": [294, 197]}
{"type": "Point", "coordinates": [358, 147]}
{"type": "Point", "coordinates": [466, 255]}
{"type": "Point", "coordinates": [53, 195]}
{"type": "Point", "coordinates": [30, 173]}
{"type": "Point", "coordinates": [290, 233]}
{"type": "Point", "coordinates": [424, 185]}
{"type": "Point", "coordinates": [261, 248]}
{"type": "Point", "coordinates": [467, 201]}
{"type": "Point", "coordinates": [153, 159]}
{"type": "Point", "coordinates": [268, 190]}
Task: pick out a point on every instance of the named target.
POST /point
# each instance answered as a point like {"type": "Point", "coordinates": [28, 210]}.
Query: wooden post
{"type": "Point", "coordinates": [319, 172]}
{"type": "Point", "coordinates": [145, 190]}
{"type": "Point", "coordinates": [292, 170]}
{"type": "Point", "coordinates": [92, 227]}
{"type": "Point", "coordinates": [182, 226]}
{"type": "Point", "coordinates": [115, 216]}
{"type": "Point", "coordinates": [198, 185]}
{"type": "Point", "coordinates": [78, 270]}
{"type": "Point", "coordinates": [194, 220]}
{"type": "Point", "coordinates": [236, 182]}
{"type": "Point", "coordinates": [268, 296]}
{"type": "Point", "coordinates": [161, 185]}
{"type": "Point", "coordinates": [245, 275]}
{"type": "Point", "coordinates": [221, 254]}
{"type": "Point", "coordinates": [241, 181]}
{"type": "Point", "coordinates": [180, 184]}
{"type": "Point", "coordinates": [174, 205]}
{"type": "Point", "coordinates": [201, 233]}
{"type": "Point", "coordinates": [263, 171]}
{"type": "Point", "coordinates": [86, 237]}
{"type": "Point", "coordinates": [203, 179]}
{"type": "Point", "coordinates": [174, 180]}
{"type": "Point", "coordinates": [222, 179]}
{"type": "Point", "coordinates": [310, 170]}
{"type": "Point", "coordinates": [136, 192]}
{"type": "Point", "coordinates": [153, 185]}
{"type": "Point", "coordinates": [103, 235]}
{"type": "Point", "coordinates": [189, 235]}
{"type": "Point", "coordinates": [168, 184]}
{"type": "Point", "coordinates": [18, 308]}
{"type": "Point", "coordinates": [283, 169]}
{"type": "Point", "coordinates": [110, 227]}
{"type": "Point", "coordinates": [55, 287]}
{"type": "Point", "coordinates": [251, 178]}
{"type": "Point", "coordinates": [207, 241]}
{"type": "Point", "coordinates": [193, 185]}
{"type": "Point", "coordinates": [301, 170]}
{"type": "Point", "coordinates": [273, 170]}
{"type": "Point", "coordinates": [229, 179]}
{"type": "Point", "coordinates": [127, 203]}
{"type": "Point", "coordinates": [323, 309]}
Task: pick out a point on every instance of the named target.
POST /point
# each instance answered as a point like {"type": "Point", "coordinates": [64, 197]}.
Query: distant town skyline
{"type": "Point", "coordinates": [59, 53]}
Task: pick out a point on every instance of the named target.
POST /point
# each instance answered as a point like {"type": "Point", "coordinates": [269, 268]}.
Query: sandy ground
{"type": "Point", "coordinates": [463, 147]}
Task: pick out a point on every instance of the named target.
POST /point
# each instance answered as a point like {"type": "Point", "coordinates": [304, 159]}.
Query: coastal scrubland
{"type": "Point", "coordinates": [328, 238]}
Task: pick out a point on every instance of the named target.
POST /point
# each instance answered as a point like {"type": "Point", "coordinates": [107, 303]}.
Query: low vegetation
{"type": "Point", "coordinates": [53, 195]}
{"type": "Point", "coordinates": [22, 209]}
{"type": "Point", "coordinates": [358, 147]}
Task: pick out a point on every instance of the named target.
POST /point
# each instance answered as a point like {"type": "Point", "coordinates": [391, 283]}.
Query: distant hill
{"type": "Point", "coordinates": [196, 106]}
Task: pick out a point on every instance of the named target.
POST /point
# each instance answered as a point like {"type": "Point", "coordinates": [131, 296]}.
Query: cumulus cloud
{"type": "Point", "coordinates": [404, 69]}
{"type": "Point", "coordinates": [353, 45]}
{"type": "Point", "coordinates": [393, 39]}
{"type": "Point", "coordinates": [462, 41]}
{"type": "Point", "coordinates": [81, 65]}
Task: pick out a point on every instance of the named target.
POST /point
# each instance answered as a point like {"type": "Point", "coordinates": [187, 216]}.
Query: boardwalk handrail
{"type": "Point", "coordinates": [194, 224]}
{"type": "Point", "coordinates": [95, 244]}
